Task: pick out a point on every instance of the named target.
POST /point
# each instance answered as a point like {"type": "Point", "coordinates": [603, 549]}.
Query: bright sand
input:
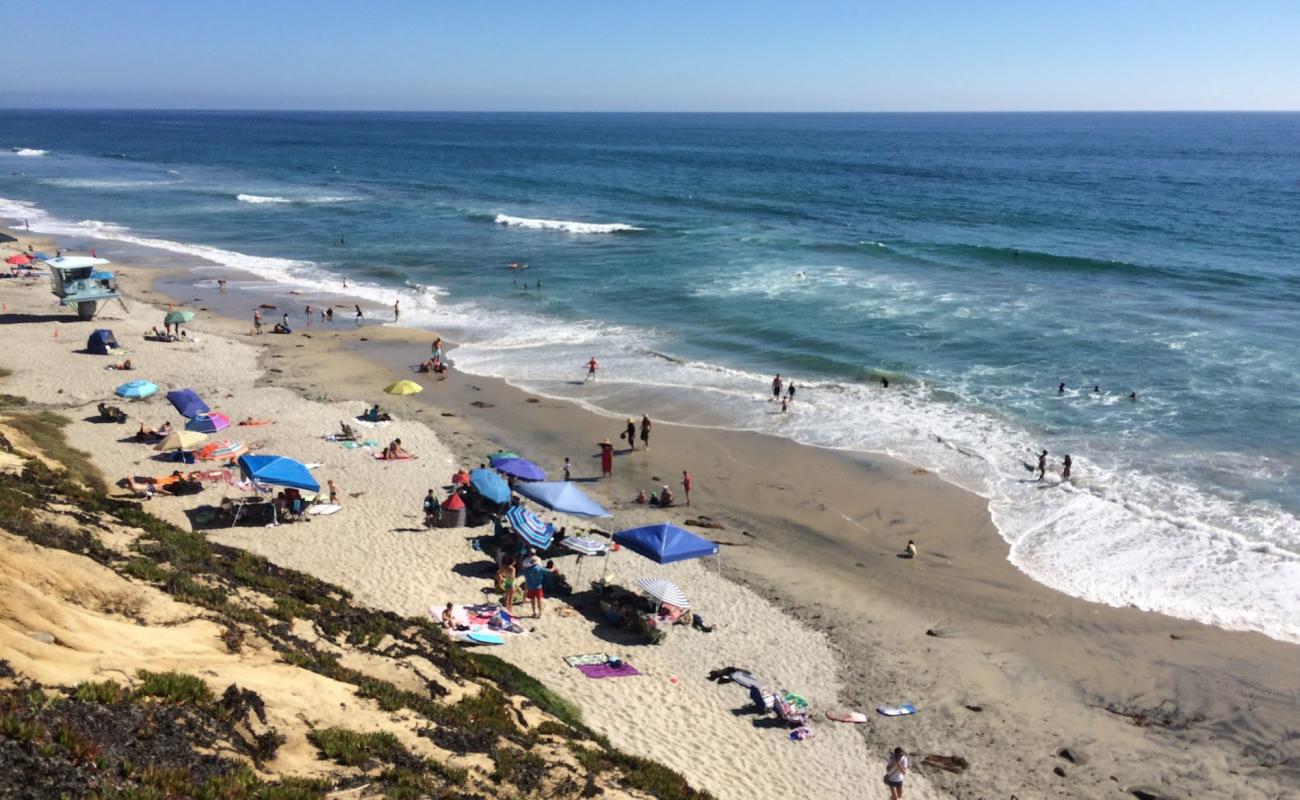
{"type": "Point", "coordinates": [830, 611]}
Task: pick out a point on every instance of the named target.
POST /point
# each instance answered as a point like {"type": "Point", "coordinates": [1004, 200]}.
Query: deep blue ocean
{"type": "Point", "coordinates": [976, 261]}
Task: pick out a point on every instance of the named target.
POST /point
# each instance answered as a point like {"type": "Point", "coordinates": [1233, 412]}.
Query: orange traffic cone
{"type": "Point", "coordinates": [56, 333]}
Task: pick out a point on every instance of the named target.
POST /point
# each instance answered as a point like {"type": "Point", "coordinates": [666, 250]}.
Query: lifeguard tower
{"type": "Point", "coordinates": [80, 282]}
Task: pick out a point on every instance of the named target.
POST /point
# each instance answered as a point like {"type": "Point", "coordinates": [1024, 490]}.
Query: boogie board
{"type": "Point", "coordinates": [897, 711]}
{"type": "Point", "coordinates": [856, 717]}
{"type": "Point", "coordinates": [323, 508]}
{"type": "Point", "coordinates": [485, 637]}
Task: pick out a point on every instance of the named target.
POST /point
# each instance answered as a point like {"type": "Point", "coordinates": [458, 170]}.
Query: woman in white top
{"type": "Point", "coordinates": [895, 769]}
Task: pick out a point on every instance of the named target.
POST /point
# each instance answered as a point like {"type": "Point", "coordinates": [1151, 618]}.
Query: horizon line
{"type": "Point", "coordinates": [233, 109]}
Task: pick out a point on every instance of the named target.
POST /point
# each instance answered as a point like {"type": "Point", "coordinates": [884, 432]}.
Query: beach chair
{"type": "Point", "coordinates": [763, 701]}
{"type": "Point", "coordinates": [789, 712]}
{"type": "Point", "coordinates": [111, 413]}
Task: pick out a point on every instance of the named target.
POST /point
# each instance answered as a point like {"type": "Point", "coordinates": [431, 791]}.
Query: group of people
{"type": "Point", "coordinates": [1066, 464]}
{"type": "Point", "coordinates": [630, 433]}
{"type": "Point", "coordinates": [435, 362]}
{"type": "Point", "coordinates": [1096, 392]}
{"type": "Point", "coordinates": [784, 399]}
{"type": "Point", "coordinates": [664, 498]}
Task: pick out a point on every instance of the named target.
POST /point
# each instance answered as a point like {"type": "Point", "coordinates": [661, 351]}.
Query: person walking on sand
{"type": "Point", "coordinates": [508, 586]}
{"type": "Point", "coordinates": [257, 321]}
{"type": "Point", "coordinates": [776, 387]}
{"type": "Point", "coordinates": [568, 470]}
{"type": "Point", "coordinates": [895, 770]}
{"type": "Point", "coordinates": [333, 490]}
{"type": "Point", "coordinates": [645, 432]}
{"type": "Point", "coordinates": [630, 435]}
{"type": "Point", "coordinates": [397, 310]}
{"type": "Point", "coordinates": [592, 366]}
{"type": "Point", "coordinates": [1065, 467]}
{"type": "Point", "coordinates": [1042, 465]}
{"type": "Point", "coordinates": [606, 458]}
{"type": "Point", "coordinates": [360, 316]}
{"type": "Point", "coordinates": [686, 487]}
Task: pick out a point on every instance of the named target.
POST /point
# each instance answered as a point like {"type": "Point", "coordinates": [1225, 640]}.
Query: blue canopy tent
{"type": "Point", "coordinates": [536, 531]}
{"type": "Point", "coordinates": [563, 497]}
{"type": "Point", "coordinates": [520, 468]}
{"type": "Point", "coordinates": [101, 342]}
{"type": "Point", "coordinates": [663, 543]}
{"type": "Point", "coordinates": [188, 403]}
{"type": "Point", "coordinates": [490, 486]}
{"type": "Point", "coordinates": [277, 471]}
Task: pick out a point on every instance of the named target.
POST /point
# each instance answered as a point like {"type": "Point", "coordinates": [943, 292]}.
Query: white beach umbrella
{"type": "Point", "coordinates": [664, 591]}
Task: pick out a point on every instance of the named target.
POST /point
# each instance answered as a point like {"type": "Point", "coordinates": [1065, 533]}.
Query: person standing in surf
{"type": "Point", "coordinates": [592, 366]}
{"type": "Point", "coordinates": [1065, 467]}
{"type": "Point", "coordinates": [645, 432]}
{"type": "Point", "coordinates": [360, 317]}
{"type": "Point", "coordinates": [789, 393]}
{"type": "Point", "coordinates": [1042, 465]}
{"type": "Point", "coordinates": [397, 310]}
{"type": "Point", "coordinates": [776, 387]}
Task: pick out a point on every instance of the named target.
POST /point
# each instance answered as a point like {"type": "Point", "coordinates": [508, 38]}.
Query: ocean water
{"type": "Point", "coordinates": [975, 260]}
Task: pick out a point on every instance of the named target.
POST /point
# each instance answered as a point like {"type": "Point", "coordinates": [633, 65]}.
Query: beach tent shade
{"type": "Point", "coordinates": [404, 387]}
{"type": "Point", "coordinates": [520, 468]}
{"type": "Point", "coordinates": [211, 422]}
{"type": "Point", "coordinates": [136, 390]}
{"type": "Point", "coordinates": [18, 259]}
{"type": "Point", "coordinates": [181, 440]}
{"type": "Point", "coordinates": [562, 496]}
{"type": "Point", "coordinates": [664, 591]}
{"type": "Point", "coordinates": [536, 531]}
{"type": "Point", "coordinates": [4, 237]}
{"type": "Point", "coordinates": [502, 454]}
{"type": "Point", "coordinates": [187, 402]}
{"type": "Point", "coordinates": [176, 317]}
{"type": "Point", "coordinates": [490, 485]}
{"type": "Point", "coordinates": [101, 342]}
{"type": "Point", "coordinates": [453, 503]}
{"type": "Point", "coordinates": [664, 543]}
{"type": "Point", "coordinates": [277, 471]}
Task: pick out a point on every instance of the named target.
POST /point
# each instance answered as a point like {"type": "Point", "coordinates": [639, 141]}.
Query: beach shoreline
{"type": "Point", "coordinates": [956, 630]}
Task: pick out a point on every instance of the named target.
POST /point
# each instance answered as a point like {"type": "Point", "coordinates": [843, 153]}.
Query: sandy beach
{"type": "Point", "coordinates": [1040, 694]}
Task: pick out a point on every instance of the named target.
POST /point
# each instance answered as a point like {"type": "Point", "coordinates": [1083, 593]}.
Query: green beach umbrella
{"type": "Point", "coordinates": [178, 317]}
{"type": "Point", "coordinates": [502, 454]}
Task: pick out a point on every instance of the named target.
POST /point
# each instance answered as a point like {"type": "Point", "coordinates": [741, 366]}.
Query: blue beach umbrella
{"type": "Point", "coordinates": [187, 402]}
{"type": "Point", "coordinates": [490, 485]}
{"type": "Point", "coordinates": [277, 471]}
{"type": "Point", "coordinates": [41, 256]}
{"type": "Point", "coordinates": [520, 468]}
{"type": "Point", "coordinates": [562, 496]}
{"type": "Point", "coordinates": [664, 543]}
{"type": "Point", "coordinates": [536, 531]}
{"type": "Point", "coordinates": [136, 390]}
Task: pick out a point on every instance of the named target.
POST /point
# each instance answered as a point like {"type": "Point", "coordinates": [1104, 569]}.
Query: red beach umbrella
{"type": "Point", "coordinates": [18, 259]}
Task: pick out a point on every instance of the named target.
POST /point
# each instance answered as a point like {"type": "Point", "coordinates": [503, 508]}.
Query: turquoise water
{"type": "Point", "coordinates": [975, 260]}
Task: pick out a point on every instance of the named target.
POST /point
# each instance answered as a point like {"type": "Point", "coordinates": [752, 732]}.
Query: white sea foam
{"type": "Point", "coordinates": [259, 199]}
{"type": "Point", "coordinates": [565, 225]}
{"type": "Point", "coordinates": [29, 151]}
{"type": "Point", "coordinates": [90, 183]}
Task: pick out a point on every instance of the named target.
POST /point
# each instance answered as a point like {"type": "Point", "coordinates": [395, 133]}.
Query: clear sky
{"type": "Point", "coordinates": [820, 55]}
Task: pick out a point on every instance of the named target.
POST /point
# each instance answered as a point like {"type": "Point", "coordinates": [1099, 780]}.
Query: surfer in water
{"type": "Point", "coordinates": [1061, 389]}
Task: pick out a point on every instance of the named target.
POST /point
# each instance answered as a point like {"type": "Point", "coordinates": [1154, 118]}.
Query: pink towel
{"type": "Point", "coordinates": [606, 671]}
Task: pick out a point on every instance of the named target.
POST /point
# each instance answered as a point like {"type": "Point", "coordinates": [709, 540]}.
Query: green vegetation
{"type": "Point", "coordinates": [45, 429]}
{"type": "Point", "coordinates": [100, 692]}
{"type": "Point", "coordinates": [354, 749]}
{"type": "Point", "coordinates": [174, 687]}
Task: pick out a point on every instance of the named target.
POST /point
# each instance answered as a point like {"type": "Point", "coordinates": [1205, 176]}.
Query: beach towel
{"type": "Point", "coordinates": [382, 457]}
{"type": "Point", "coordinates": [323, 508]}
{"type": "Point", "coordinates": [367, 423]}
{"type": "Point", "coordinates": [256, 423]}
{"type": "Point", "coordinates": [855, 717]}
{"type": "Point", "coordinates": [589, 658]}
{"type": "Point", "coordinates": [606, 671]}
{"type": "Point", "coordinates": [901, 710]}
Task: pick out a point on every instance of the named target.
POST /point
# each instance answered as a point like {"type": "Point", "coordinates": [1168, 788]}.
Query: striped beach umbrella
{"type": "Point", "coordinates": [664, 591]}
{"type": "Point", "coordinates": [536, 531]}
{"type": "Point", "coordinates": [223, 450]}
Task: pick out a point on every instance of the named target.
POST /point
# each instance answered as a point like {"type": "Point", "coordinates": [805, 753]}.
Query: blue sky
{"type": "Point", "coordinates": [832, 55]}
